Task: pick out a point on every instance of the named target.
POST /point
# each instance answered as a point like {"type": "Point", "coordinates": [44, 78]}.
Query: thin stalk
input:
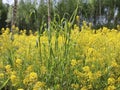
{"type": "Point", "coordinates": [49, 34]}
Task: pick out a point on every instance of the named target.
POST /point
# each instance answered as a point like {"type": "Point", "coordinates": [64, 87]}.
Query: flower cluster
{"type": "Point", "coordinates": [69, 58]}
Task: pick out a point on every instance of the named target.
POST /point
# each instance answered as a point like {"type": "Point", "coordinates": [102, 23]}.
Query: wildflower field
{"type": "Point", "coordinates": [61, 59]}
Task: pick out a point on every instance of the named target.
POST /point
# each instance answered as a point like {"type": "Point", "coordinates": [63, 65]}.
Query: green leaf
{"type": "Point", "coordinates": [4, 84]}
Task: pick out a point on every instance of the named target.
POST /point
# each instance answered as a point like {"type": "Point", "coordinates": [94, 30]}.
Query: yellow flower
{"type": "Point", "coordinates": [77, 18]}
{"type": "Point", "coordinates": [90, 51]}
{"type": "Point", "coordinates": [86, 69]}
{"type": "Point", "coordinates": [90, 75]}
{"type": "Point", "coordinates": [111, 87]}
{"type": "Point", "coordinates": [75, 86]}
{"type": "Point", "coordinates": [29, 69]}
{"type": "Point", "coordinates": [7, 31]}
{"type": "Point", "coordinates": [26, 80]}
{"type": "Point", "coordinates": [3, 30]}
{"type": "Point", "coordinates": [18, 62]}
{"type": "Point", "coordinates": [75, 72]}
{"type": "Point", "coordinates": [73, 62]}
{"type": "Point", "coordinates": [30, 78]}
{"type": "Point", "coordinates": [111, 81]}
{"type": "Point", "coordinates": [13, 79]}
{"type": "Point", "coordinates": [38, 85]}
{"type": "Point", "coordinates": [20, 89]}
{"type": "Point", "coordinates": [17, 29]}
{"type": "Point", "coordinates": [13, 72]}
{"type": "Point", "coordinates": [8, 68]}
{"type": "Point", "coordinates": [1, 75]}
{"type": "Point", "coordinates": [114, 64]}
{"type": "Point", "coordinates": [84, 88]}
{"type": "Point", "coordinates": [33, 77]}
{"type": "Point", "coordinates": [98, 74]}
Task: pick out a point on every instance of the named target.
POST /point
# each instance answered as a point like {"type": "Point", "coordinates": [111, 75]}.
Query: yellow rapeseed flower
{"type": "Point", "coordinates": [73, 62]}
{"type": "Point", "coordinates": [18, 61]}
{"type": "Point", "coordinates": [3, 30]}
{"type": "Point", "coordinates": [86, 69]}
{"type": "Point", "coordinates": [76, 72]}
{"type": "Point", "coordinates": [111, 81]}
{"type": "Point", "coordinates": [84, 88]}
{"type": "Point", "coordinates": [20, 89]}
{"type": "Point", "coordinates": [38, 85]}
{"type": "Point", "coordinates": [98, 74]}
{"type": "Point", "coordinates": [75, 86]}
{"type": "Point", "coordinates": [90, 75]}
{"type": "Point", "coordinates": [114, 64]}
{"type": "Point", "coordinates": [26, 80]}
{"type": "Point", "coordinates": [33, 77]}
{"type": "Point", "coordinates": [7, 31]}
{"type": "Point", "coordinates": [1, 75]}
{"type": "Point", "coordinates": [13, 79]}
{"type": "Point", "coordinates": [8, 68]}
{"type": "Point", "coordinates": [17, 29]}
{"type": "Point", "coordinates": [111, 87]}
{"type": "Point", "coordinates": [77, 18]}
{"type": "Point", "coordinates": [29, 69]}
{"type": "Point", "coordinates": [13, 72]}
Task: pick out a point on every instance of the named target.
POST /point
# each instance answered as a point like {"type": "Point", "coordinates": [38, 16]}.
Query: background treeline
{"type": "Point", "coordinates": [31, 13]}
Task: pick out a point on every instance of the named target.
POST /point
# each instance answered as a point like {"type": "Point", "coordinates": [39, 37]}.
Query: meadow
{"type": "Point", "coordinates": [64, 58]}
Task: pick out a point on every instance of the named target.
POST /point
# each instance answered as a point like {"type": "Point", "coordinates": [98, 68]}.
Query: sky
{"type": "Point", "coordinates": [8, 1]}
{"type": "Point", "coordinates": [11, 1]}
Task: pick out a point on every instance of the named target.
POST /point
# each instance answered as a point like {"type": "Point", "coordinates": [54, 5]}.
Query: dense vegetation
{"type": "Point", "coordinates": [48, 46]}
{"type": "Point", "coordinates": [65, 59]}
{"type": "Point", "coordinates": [31, 14]}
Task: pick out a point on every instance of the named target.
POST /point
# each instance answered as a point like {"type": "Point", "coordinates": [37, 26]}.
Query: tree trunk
{"type": "Point", "coordinates": [13, 22]}
{"type": "Point", "coordinates": [49, 17]}
{"type": "Point", "coordinates": [14, 13]}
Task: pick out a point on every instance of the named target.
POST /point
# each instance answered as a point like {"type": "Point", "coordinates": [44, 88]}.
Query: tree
{"type": "Point", "coordinates": [3, 14]}
{"type": "Point", "coordinates": [65, 8]}
{"type": "Point", "coordinates": [27, 14]}
{"type": "Point", "coordinates": [31, 15]}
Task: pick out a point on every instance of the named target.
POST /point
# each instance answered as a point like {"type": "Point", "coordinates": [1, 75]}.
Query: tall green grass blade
{"type": "Point", "coordinates": [4, 84]}
{"type": "Point", "coordinates": [72, 18]}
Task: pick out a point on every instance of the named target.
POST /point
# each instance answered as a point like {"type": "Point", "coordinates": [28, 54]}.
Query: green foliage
{"type": "Point", "coordinates": [65, 8]}
{"type": "Point", "coordinates": [3, 14]}
{"type": "Point", "coordinates": [31, 13]}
